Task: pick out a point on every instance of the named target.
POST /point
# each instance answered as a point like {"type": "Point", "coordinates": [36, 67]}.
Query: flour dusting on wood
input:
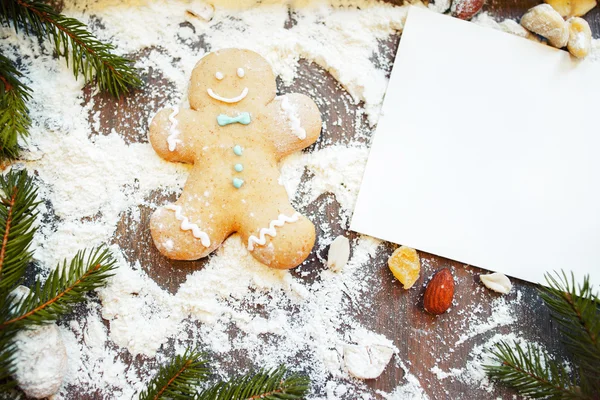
{"type": "Point", "coordinates": [93, 177]}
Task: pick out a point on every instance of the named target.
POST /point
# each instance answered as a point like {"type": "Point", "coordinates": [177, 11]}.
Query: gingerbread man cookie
{"type": "Point", "coordinates": [234, 134]}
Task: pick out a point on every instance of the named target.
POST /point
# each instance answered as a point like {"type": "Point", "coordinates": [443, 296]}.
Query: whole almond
{"type": "Point", "coordinates": [439, 292]}
{"type": "Point", "coordinates": [466, 9]}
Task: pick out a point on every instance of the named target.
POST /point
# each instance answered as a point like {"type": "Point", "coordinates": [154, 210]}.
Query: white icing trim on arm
{"type": "Point", "coordinates": [280, 221]}
{"type": "Point", "coordinates": [186, 225]}
{"type": "Point", "coordinates": [291, 113]}
{"type": "Point", "coordinates": [228, 99]}
{"type": "Point", "coordinates": [173, 131]}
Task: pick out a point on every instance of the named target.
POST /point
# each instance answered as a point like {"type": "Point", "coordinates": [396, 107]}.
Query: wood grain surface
{"type": "Point", "coordinates": [423, 340]}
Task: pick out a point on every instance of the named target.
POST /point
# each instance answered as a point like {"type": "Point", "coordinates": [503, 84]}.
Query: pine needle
{"type": "Point", "coordinates": [88, 56]}
{"type": "Point", "coordinates": [577, 310]}
{"type": "Point", "coordinates": [178, 379]}
{"type": "Point", "coordinates": [18, 201]}
{"type": "Point", "coordinates": [266, 384]}
{"type": "Point", "coordinates": [65, 286]}
{"type": "Point", "coordinates": [14, 114]}
{"type": "Point", "coordinates": [532, 373]}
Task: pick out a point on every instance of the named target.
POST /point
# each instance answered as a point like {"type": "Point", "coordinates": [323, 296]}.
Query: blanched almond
{"type": "Point", "coordinates": [497, 282]}
{"type": "Point", "coordinates": [367, 362]}
{"type": "Point", "coordinates": [339, 253]}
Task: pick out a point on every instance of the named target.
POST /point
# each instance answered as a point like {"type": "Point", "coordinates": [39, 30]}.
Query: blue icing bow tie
{"type": "Point", "coordinates": [243, 118]}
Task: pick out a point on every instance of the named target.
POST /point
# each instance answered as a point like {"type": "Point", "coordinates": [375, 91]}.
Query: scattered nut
{"type": "Point", "coordinates": [439, 292]}
{"type": "Point", "coordinates": [572, 8]}
{"type": "Point", "coordinates": [367, 362]}
{"type": "Point", "coordinates": [466, 9]}
{"type": "Point", "coordinates": [545, 21]}
{"type": "Point", "coordinates": [339, 253]}
{"type": "Point", "coordinates": [405, 265]}
{"type": "Point", "coordinates": [580, 37]}
{"type": "Point", "coordinates": [497, 282]}
{"type": "Point", "coordinates": [40, 367]}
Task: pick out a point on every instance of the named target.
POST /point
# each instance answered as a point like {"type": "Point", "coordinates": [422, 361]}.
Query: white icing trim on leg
{"type": "Point", "coordinates": [186, 225]}
{"type": "Point", "coordinates": [173, 131]}
{"type": "Point", "coordinates": [280, 221]}
{"type": "Point", "coordinates": [291, 113]}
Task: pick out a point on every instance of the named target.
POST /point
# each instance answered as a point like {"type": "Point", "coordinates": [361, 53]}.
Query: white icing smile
{"type": "Point", "coordinates": [228, 99]}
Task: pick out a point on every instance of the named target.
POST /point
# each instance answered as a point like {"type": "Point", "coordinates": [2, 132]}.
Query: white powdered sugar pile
{"type": "Point", "coordinates": [234, 308]}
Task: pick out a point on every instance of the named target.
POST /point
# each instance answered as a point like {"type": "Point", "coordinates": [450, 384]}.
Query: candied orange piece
{"type": "Point", "coordinates": [405, 265]}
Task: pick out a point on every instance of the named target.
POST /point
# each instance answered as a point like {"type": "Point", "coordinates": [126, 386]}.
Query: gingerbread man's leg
{"type": "Point", "coordinates": [277, 235]}
{"type": "Point", "coordinates": [190, 228]}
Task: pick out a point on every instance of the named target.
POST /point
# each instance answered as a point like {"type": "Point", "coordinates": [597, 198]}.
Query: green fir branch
{"type": "Point", "coordinates": [14, 114]}
{"type": "Point", "coordinates": [178, 379]}
{"type": "Point", "coordinates": [72, 40]}
{"type": "Point", "coordinates": [7, 363]}
{"type": "Point", "coordinates": [18, 203]}
{"type": "Point", "coordinates": [266, 384]}
{"type": "Point", "coordinates": [576, 309]}
{"type": "Point", "coordinates": [65, 286]}
{"type": "Point", "coordinates": [532, 373]}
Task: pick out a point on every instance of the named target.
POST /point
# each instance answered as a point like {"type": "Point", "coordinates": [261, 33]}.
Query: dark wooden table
{"type": "Point", "coordinates": [423, 340]}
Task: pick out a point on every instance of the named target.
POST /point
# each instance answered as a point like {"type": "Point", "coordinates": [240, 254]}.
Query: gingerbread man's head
{"type": "Point", "coordinates": [231, 79]}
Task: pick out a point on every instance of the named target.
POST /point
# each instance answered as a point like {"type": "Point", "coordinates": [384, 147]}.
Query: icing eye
{"type": "Point", "coordinates": [219, 75]}
{"type": "Point", "coordinates": [241, 72]}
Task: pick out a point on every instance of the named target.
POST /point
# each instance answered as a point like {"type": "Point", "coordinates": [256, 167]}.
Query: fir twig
{"type": "Point", "coordinates": [64, 287]}
{"type": "Point", "coordinates": [18, 201]}
{"type": "Point", "coordinates": [88, 56]}
{"type": "Point", "coordinates": [178, 379]}
{"type": "Point", "coordinates": [532, 373]}
{"type": "Point", "coordinates": [577, 311]}
{"type": "Point", "coordinates": [269, 384]}
{"type": "Point", "coordinates": [7, 364]}
{"type": "Point", "coordinates": [14, 117]}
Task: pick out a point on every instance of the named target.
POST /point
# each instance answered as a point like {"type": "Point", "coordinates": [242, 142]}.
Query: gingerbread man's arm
{"type": "Point", "coordinates": [173, 132]}
{"type": "Point", "coordinates": [294, 123]}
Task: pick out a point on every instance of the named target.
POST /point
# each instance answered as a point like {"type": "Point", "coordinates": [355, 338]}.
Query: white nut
{"type": "Point", "coordinates": [572, 8]}
{"type": "Point", "coordinates": [339, 253]}
{"type": "Point", "coordinates": [497, 282]}
{"type": "Point", "coordinates": [367, 362]}
{"type": "Point", "coordinates": [580, 37]}
{"type": "Point", "coordinates": [41, 361]}
{"type": "Point", "coordinates": [545, 21]}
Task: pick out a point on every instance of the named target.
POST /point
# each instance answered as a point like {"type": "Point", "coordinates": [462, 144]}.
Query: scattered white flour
{"type": "Point", "coordinates": [473, 372]}
{"type": "Point", "coordinates": [91, 176]}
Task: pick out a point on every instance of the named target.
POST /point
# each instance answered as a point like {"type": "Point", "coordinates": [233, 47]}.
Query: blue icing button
{"type": "Point", "coordinates": [237, 149]}
{"type": "Point", "coordinates": [237, 182]}
{"type": "Point", "coordinates": [238, 167]}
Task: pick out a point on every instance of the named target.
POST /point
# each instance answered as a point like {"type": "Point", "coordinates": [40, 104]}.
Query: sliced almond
{"type": "Point", "coordinates": [367, 362]}
{"type": "Point", "coordinates": [339, 253]}
{"type": "Point", "coordinates": [497, 282]}
{"type": "Point", "coordinates": [547, 22]}
{"type": "Point", "coordinates": [580, 37]}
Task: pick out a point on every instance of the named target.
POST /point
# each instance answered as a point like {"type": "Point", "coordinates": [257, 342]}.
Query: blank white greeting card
{"type": "Point", "coordinates": [487, 152]}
